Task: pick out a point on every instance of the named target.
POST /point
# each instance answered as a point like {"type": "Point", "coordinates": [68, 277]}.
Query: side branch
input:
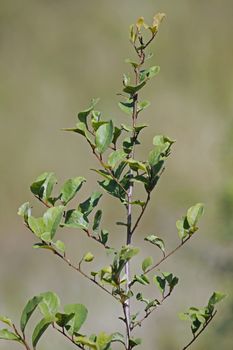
{"type": "Point", "coordinates": [199, 333]}
{"type": "Point", "coordinates": [169, 254]}
{"type": "Point", "coordinates": [62, 331]}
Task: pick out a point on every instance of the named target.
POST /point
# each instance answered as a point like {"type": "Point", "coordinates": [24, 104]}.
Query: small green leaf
{"type": "Point", "coordinates": [104, 136]}
{"type": "Point", "coordinates": [75, 219]}
{"type": "Point", "coordinates": [63, 319]}
{"type": "Point", "coordinates": [70, 188]}
{"type": "Point", "coordinates": [41, 328]}
{"type": "Point", "coordinates": [25, 211]}
{"type": "Point", "coordinates": [80, 315]}
{"type": "Point", "coordinates": [88, 205]}
{"type": "Point", "coordinates": [136, 165]}
{"type": "Point", "coordinates": [118, 337]}
{"type": "Point", "coordinates": [104, 236]}
{"type": "Point", "coordinates": [88, 257]}
{"type": "Point", "coordinates": [215, 298]}
{"type": "Point", "coordinates": [60, 246]}
{"type": "Point", "coordinates": [142, 279]}
{"type": "Point", "coordinates": [147, 263]}
{"type": "Point", "coordinates": [160, 282]}
{"type": "Point", "coordinates": [127, 106]}
{"type": "Point", "coordinates": [143, 105]}
{"type": "Point", "coordinates": [194, 213]}
{"type": "Point", "coordinates": [7, 335]}
{"type": "Point", "coordinates": [82, 116]}
{"type": "Point", "coordinates": [85, 341]}
{"type": "Point", "coordinates": [43, 185]}
{"type": "Point", "coordinates": [134, 342]}
{"type": "Point", "coordinates": [52, 218]}
{"type": "Point", "coordinates": [103, 340]}
{"type": "Point", "coordinates": [49, 304]}
{"type": "Point", "coordinates": [134, 64]}
{"type": "Point", "coordinates": [37, 225]}
{"type": "Point", "coordinates": [133, 89]}
{"type": "Point", "coordinates": [156, 241]}
{"type": "Point", "coordinates": [149, 73]}
{"type": "Point", "coordinates": [97, 219]}
{"type": "Point", "coordinates": [28, 310]}
{"type": "Point", "coordinates": [6, 320]}
{"type": "Point", "coordinates": [115, 157]}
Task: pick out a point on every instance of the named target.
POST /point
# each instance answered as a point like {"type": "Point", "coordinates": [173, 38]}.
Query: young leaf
{"type": "Point", "coordinates": [127, 106]}
{"type": "Point", "coordinates": [82, 116]}
{"type": "Point", "coordinates": [6, 320]}
{"type": "Point", "coordinates": [80, 315]}
{"type": "Point", "coordinates": [115, 157]}
{"type": "Point", "coordinates": [88, 257]}
{"type": "Point", "coordinates": [37, 225]}
{"type": "Point", "coordinates": [156, 241]}
{"type": "Point", "coordinates": [25, 211]}
{"type": "Point", "coordinates": [104, 136]}
{"type": "Point", "coordinates": [160, 282]}
{"type": "Point", "coordinates": [63, 319]}
{"type": "Point", "coordinates": [49, 304]}
{"type": "Point", "coordinates": [147, 263]}
{"type": "Point", "coordinates": [134, 342]}
{"type": "Point", "coordinates": [70, 188]}
{"type": "Point", "coordinates": [103, 340]}
{"type": "Point", "coordinates": [41, 328]}
{"type": "Point", "coordinates": [133, 89]}
{"type": "Point", "coordinates": [28, 310]}
{"type": "Point", "coordinates": [149, 73]}
{"type": "Point", "coordinates": [215, 298]}
{"type": "Point", "coordinates": [7, 335]}
{"type": "Point", "coordinates": [194, 213]}
{"type": "Point", "coordinates": [60, 246]}
{"type": "Point", "coordinates": [85, 341]}
{"type": "Point", "coordinates": [97, 219]}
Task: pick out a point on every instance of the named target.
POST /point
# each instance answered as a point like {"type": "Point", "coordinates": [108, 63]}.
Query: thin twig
{"type": "Point", "coordinates": [141, 214]}
{"type": "Point", "coordinates": [169, 254]}
{"type": "Point", "coordinates": [97, 239]}
{"type": "Point", "coordinates": [62, 331]}
{"type": "Point", "coordinates": [23, 340]}
{"type": "Point", "coordinates": [139, 323]}
{"type": "Point", "coordinates": [199, 333]}
{"type": "Point", "coordinates": [77, 268]}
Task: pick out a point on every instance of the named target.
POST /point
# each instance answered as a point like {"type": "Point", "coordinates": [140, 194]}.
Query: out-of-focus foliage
{"type": "Point", "coordinates": [55, 55]}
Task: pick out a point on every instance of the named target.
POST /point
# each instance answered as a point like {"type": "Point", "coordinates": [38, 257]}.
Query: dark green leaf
{"type": "Point", "coordinates": [41, 328]}
{"type": "Point", "coordinates": [149, 73]}
{"type": "Point", "coordinates": [88, 205]}
{"type": "Point", "coordinates": [104, 236]}
{"type": "Point", "coordinates": [104, 136]}
{"type": "Point", "coordinates": [134, 342]}
{"type": "Point", "coordinates": [43, 185]}
{"type": "Point", "coordinates": [160, 282]}
{"type": "Point", "coordinates": [28, 310]}
{"type": "Point", "coordinates": [97, 219]}
{"type": "Point", "coordinates": [133, 89]}
{"type": "Point", "coordinates": [63, 319]}
{"type": "Point", "coordinates": [116, 134]}
{"type": "Point", "coordinates": [80, 315]}
{"type": "Point", "coordinates": [127, 106]}
{"type": "Point", "coordinates": [215, 298]}
{"type": "Point", "coordinates": [70, 188]}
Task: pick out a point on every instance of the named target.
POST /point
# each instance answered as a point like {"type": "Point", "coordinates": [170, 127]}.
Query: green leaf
{"type": "Point", "coordinates": [143, 105]}
{"type": "Point", "coordinates": [142, 279]}
{"type": "Point", "coordinates": [161, 140]}
{"type": "Point", "coordinates": [80, 315]}
{"type": "Point", "coordinates": [60, 246]}
{"type": "Point", "coordinates": [82, 116]}
{"type": "Point", "coordinates": [88, 257]}
{"type": "Point", "coordinates": [215, 298]}
{"type": "Point", "coordinates": [134, 342]}
{"type": "Point", "coordinates": [136, 165]}
{"type": "Point", "coordinates": [160, 282]}
{"type": "Point", "coordinates": [115, 157]}
{"type": "Point", "coordinates": [103, 340]}
{"type": "Point", "coordinates": [85, 341]}
{"type": "Point", "coordinates": [182, 232]}
{"type": "Point", "coordinates": [37, 225]}
{"type": "Point", "coordinates": [52, 219]}
{"type": "Point", "coordinates": [25, 211]}
{"type": "Point", "coordinates": [149, 73]}
{"type": "Point", "coordinates": [194, 213]}
{"type": "Point", "coordinates": [88, 205]}
{"type": "Point", "coordinates": [134, 64]}
{"type": "Point", "coordinates": [6, 320]}
{"type": "Point", "coordinates": [104, 136]}
{"type": "Point", "coordinates": [70, 188]}
{"type": "Point", "coordinates": [118, 337]}
{"type": "Point", "coordinates": [156, 241]}
{"type": "Point", "coordinates": [116, 134]}
{"type": "Point", "coordinates": [49, 304]}
{"type": "Point", "coordinates": [28, 310]}
{"type": "Point", "coordinates": [127, 252]}
{"type": "Point", "coordinates": [63, 319]}
{"type": "Point", "coordinates": [104, 236]}
{"type": "Point", "coordinates": [133, 89]}
{"type": "Point", "coordinates": [147, 263]}
{"type": "Point", "coordinates": [43, 185]}
{"type": "Point", "coordinates": [97, 219]}
{"type": "Point", "coordinates": [75, 219]}
{"type": "Point", "coordinates": [127, 106]}
{"type": "Point", "coordinates": [41, 328]}
{"type": "Point", "coordinates": [7, 335]}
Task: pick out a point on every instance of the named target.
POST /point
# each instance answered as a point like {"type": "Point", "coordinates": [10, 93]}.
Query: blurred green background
{"type": "Point", "coordinates": [55, 56]}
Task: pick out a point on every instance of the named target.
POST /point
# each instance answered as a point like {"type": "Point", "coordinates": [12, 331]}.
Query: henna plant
{"type": "Point", "coordinates": [114, 147]}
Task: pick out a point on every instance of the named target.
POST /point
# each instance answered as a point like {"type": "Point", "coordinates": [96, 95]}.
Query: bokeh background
{"type": "Point", "coordinates": [55, 56]}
